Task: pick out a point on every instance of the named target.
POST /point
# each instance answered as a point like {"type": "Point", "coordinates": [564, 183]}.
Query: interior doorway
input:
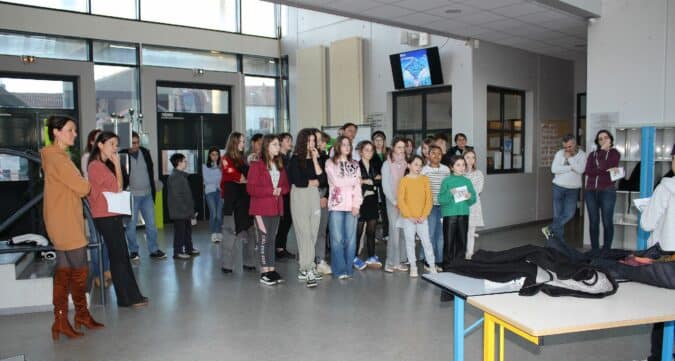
{"type": "Point", "coordinates": [191, 118]}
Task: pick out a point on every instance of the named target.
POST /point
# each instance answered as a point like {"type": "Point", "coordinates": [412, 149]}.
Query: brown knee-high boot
{"type": "Point", "coordinates": [78, 287]}
{"type": "Point", "coordinates": [60, 301]}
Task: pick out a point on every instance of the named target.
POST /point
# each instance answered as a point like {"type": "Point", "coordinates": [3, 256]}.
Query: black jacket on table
{"type": "Point", "coordinates": [179, 196]}
{"type": "Point", "coordinates": [148, 163]}
{"type": "Point", "coordinates": [544, 269]}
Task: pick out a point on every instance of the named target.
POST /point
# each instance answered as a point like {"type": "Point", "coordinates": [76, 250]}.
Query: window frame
{"type": "Point", "coordinates": [502, 91]}
{"type": "Point", "coordinates": [422, 130]}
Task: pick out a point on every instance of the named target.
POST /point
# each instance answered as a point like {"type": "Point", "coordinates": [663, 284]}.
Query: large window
{"type": "Point", "coordinates": [189, 59]}
{"type": "Point", "coordinates": [116, 91]}
{"type": "Point", "coordinates": [208, 14]}
{"type": "Point", "coordinates": [42, 46]}
{"type": "Point", "coordinates": [72, 5]}
{"type": "Point", "coordinates": [36, 93]}
{"type": "Point", "coordinates": [422, 113]}
{"type": "Point", "coordinates": [111, 53]}
{"type": "Point", "coordinates": [253, 17]}
{"type": "Point", "coordinates": [261, 104]}
{"type": "Point", "coordinates": [505, 130]}
{"type": "Point", "coordinates": [258, 18]}
{"type": "Point", "coordinates": [118, 8]}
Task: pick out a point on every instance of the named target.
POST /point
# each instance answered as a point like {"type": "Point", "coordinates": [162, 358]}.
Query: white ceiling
{"type": "Point", "coordinates": [525, 24]}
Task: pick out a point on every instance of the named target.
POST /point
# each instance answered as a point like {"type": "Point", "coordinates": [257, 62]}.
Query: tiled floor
{"type": "Point", "coordinates": [197, 313]}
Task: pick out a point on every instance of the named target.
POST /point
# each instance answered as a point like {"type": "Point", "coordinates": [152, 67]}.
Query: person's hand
{"type": "Point", "coordinates": [242, 179]}
{"type": "Point", "coordinates": [313, 183]}
{"type": "Point", "coordinates": [420, 220]}
{"type": "Point", "coordinates": [314, 153]}
{"type": "Point", "coordinates": [378, 177]}
{"type": "Point", "coordinates": [115, 159]}
{"type": "Point", "coordinates": [323, 202]}
{"type": "Point", "coordinates": [355, 212]}
{"type": "Point", "coordinates": [367, 181]}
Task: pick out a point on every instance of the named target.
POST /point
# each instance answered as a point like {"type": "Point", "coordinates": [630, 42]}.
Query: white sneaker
{"type": "Point", "coordinates": [324, 268]}
{"type": "Point", "coordinates": [214, 237]}
{"type": "Point", "coordinates": [432, 270]}
{"type": "Point", "coordinates": [401, 267]}
{"type": "Point", "coordinates": [413, 272]}
{"type": "Point", "coordinates": [220, 237]}
{"type": "Point", "coordinates": [311, 280]}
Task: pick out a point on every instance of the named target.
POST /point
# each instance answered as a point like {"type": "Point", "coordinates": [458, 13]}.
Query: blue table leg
{"type": "Point", "coordinates": [667, 348]}
{"type": "Point", "coordinates": [458, 329]}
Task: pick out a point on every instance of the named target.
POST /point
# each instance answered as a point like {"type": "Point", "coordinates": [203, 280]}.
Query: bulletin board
{"type": "Point", "coordinates": [552, 132]}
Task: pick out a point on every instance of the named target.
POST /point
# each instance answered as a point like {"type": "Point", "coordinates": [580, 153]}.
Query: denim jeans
{"type": "Point", "coordinates": [146, 206]}
{"type": "Point", "coordinates": [564, 206]}
{"type": "Point", "coordinates": [601, 202]}
{"type": "Point", "coordinates": [93, 252]}
{"type": "Point", "coordinates": [215, 203]}
{"type": "Point", "coordinates": [342, 227]}
{"type": "Point", "coordinates": [435, 234]}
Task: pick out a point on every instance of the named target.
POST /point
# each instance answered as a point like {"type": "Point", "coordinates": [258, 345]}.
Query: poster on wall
{"type": "Point", "coordinates": [551, 135]}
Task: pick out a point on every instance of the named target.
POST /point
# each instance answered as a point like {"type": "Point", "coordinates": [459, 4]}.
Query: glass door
{"type": "Point", "coordinates": [25, 104]}
{"type": "Point", "coordinates": [191, 119]}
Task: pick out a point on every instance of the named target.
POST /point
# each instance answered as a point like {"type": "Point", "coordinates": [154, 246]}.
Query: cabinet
{"type": "Point", "coordinates": [628, 141]}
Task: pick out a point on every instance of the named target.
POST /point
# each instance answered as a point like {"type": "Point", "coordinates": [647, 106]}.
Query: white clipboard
{"type": "Point", "coordinates": [119, 203]}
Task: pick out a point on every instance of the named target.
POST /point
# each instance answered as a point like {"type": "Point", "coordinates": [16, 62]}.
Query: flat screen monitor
{"type": "Point", "coordinates": [416, 68]}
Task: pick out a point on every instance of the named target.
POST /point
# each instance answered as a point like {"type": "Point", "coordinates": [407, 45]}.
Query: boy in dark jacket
{"type": "Point", "coordinates": [181, 208]}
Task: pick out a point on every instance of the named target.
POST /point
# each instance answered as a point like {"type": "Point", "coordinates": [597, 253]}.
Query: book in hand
{"type": "Point", "coordinates": [641, 203]}
{"type": "Point", "coordinates": [119, 202]}
{"type": "Point", "coordinates": [617, 173]}
{"type": "Point", "coordinates": [461, 194]}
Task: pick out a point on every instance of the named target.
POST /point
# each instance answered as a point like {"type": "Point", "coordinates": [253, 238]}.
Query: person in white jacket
{"type": "Point", "coordinates": [659, 216]}
{"type": "Point", "coordinates": [568, 168]}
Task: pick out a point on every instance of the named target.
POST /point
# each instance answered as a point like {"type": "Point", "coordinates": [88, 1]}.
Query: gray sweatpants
{"type": "Point", "coordinates": [320, 249]}
{"type": "Point", "coordinates": [232, 246]}
{"type": "Point", "coordinates": [396, 243]}
{"type": "Point", "coordinates": [306, 211]}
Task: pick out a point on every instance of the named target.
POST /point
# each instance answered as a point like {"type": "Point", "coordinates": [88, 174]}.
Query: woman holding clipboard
{"type": "Point", "coordinates": [105, 175]}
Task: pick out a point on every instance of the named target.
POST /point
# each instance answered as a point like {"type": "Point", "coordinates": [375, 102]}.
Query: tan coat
{"type": "Point", "coordinates": [62, 204]}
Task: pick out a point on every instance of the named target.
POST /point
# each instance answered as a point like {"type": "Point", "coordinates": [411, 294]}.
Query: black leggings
{"type": "Point", "coordinates": [455, 229]}
{"type": "Point", "coordinates": [75, 258]}
{"type": "Point", "coordinates": [285, 223]}
{"type": "Point", "coordinates": [124, 281]}
{"type": "Point", "coordinates": [370, 236]}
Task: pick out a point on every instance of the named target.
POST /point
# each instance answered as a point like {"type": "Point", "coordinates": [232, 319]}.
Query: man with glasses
{"type": "Point", "coordinates": [568, 168]}
{"type": "Point", "coordinates": [140, 182]}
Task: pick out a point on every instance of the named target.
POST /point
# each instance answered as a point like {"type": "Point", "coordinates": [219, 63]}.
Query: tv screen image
{"type": "Point", "coordinates": [415, 68]}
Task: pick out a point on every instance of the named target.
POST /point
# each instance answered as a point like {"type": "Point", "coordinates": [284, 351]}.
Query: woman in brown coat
{"type": "Point", "coordinates": [62, 210]}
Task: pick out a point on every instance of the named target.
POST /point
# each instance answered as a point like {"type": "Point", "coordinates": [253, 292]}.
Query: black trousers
{"type": "Point", "coordinates": [455, 229]}
{"type": "Point", "coordinates": [284, 224]}
{"type": "Point", "coordinates": [182, 236]}
{"type": "Point", "coordinates": [124, 281]}
{"type": "Point", "coordinates": [369, 225]}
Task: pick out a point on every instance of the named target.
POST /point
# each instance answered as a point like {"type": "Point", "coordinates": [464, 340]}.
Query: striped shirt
{"type": "Point", "coordinates": [436, 176]}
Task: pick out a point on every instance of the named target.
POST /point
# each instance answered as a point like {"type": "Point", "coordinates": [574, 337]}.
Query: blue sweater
{"type": "Point", "coordinates": [211, 178]}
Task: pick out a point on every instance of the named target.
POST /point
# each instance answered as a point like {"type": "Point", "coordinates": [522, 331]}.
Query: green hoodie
{"type": "Point", "coordinates": [447, 201]}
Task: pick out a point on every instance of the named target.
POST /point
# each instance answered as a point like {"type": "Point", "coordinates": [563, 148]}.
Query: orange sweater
{"type": "Point", "coordinates": [62, 204]}
{"type": "Point", "coordinates": [414, 197]}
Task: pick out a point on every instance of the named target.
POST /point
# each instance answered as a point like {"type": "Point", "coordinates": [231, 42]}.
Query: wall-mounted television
{"type": "Point", "coordinates": [416, 68]}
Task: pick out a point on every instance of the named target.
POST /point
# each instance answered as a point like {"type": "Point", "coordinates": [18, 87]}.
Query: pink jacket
{"type": "Point", "coordinates": [344, 181]}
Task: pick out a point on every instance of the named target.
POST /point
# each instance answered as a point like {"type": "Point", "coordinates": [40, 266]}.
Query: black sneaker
{"type": "Point", "coordinates": [277, 277]}
{"type": "Point", "coordinates": [133, 256]}
{"type": "Point", "coordinates": [225, 270]}
{"type": "Point", "coordinates": [158, 254]}
{"type": "Point", "coordinates": [194, 252]}
{"type": "Point", "coordinates": [267, 279]}
{"type": "Point", "coordinates": [249, 268]}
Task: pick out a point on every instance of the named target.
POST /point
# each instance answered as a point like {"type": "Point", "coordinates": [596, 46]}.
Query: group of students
{"type": "Point", "coordinates": [338, 193]}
